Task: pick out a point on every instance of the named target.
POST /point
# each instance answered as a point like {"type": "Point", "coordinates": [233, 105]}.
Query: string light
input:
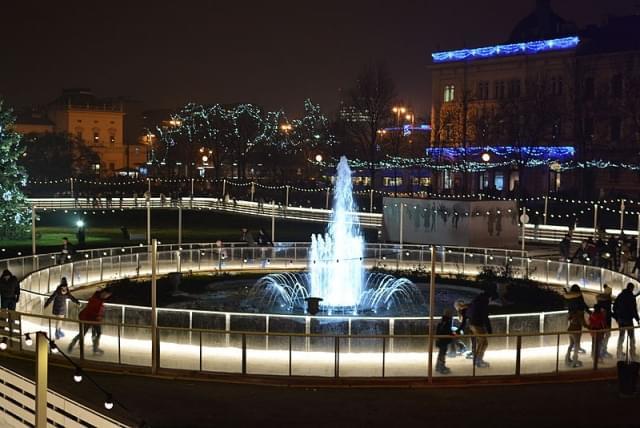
{"type": "Point", "coordinates": [533, 47]}
{"type": "Point", "coordinates": [77, 377]}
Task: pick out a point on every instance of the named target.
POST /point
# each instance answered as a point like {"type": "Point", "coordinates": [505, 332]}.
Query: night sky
{"type": "Point", "coordinates": [275, 53]}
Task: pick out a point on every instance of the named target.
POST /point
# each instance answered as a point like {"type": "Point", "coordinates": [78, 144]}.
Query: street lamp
{"type": "Point", "coordinates": [486, 157]}
{"type": "Point", "coordinates": [318, 158]}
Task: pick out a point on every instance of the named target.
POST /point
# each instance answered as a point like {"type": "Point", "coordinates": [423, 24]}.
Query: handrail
{"type": "Point", "coordinates": [179, 341]}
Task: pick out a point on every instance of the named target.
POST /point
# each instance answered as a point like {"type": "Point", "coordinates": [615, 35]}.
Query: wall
{"type": "Point", "coordinates": [427, 221]}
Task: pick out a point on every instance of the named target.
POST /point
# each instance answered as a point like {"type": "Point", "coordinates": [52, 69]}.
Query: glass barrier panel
{"type": "Point", "coordinates": [267, 355]}
{"type": "Point", "coordinates": [102, 343]}
{"type": "Point", "coordinates": [135, 346]}
{"type": "Point", "coordinates": [567, 362]}
{"type": "Point", "coordinates": [312, 356]}
{"type": "Point", "coordinates": [360, 357]}
{"type": "Point", "coordinates": [406, 356]}
{"type": "Point", "coordinates": [538, 354]}
{"type": "Point", "coordinates": [179, 349]}
{"type": "Point", "coordinates": [502, 361]}
{"type": "Point", "coordinates": [222, 352]}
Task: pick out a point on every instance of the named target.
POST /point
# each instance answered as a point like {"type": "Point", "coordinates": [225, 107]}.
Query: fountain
{"type": "Point", "coordinates": [336, 276]}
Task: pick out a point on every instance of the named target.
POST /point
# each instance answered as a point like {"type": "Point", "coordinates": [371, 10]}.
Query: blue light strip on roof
{"type": "Point", "coordinates": [505, 50]}
{"type": "Point", "coordinates": [550, 153]}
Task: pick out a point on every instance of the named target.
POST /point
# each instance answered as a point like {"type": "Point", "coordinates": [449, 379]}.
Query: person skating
{"type": "Point", "coordinates": [605, 301]}
{"type": "Point", "coordinates": [93, 314]}
{"type": "Point", "coordinates": [625, 311]}
{"type": "Point", "coordinates": [576, 308]}
{"type": "Point", "coordinates": [597, 323]}
{"type": "Point", "coordinates": [67, 251]}
{"type": "Point", "coordinates": [443, 329]}
{"type": "Point", "coordinates": [480, 325]}
{"type": "Point", "coordinates": [59, 298]}
{"type": "Point", "coordinates": [9, 290]}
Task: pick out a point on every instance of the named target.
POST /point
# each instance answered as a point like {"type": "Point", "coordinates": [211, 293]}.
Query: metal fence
{"type": "Point", "coordinates": [298, 344]}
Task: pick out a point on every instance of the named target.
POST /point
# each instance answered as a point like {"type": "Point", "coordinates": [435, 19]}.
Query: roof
{"type": "Point", "coordinates": [84, 98]}
{"type": "Point", "coordinates": [619, 34]}
{"type": "Point", "coordinates": [32, 117]}
{"type": "Point", "coordinates": [541, 24]}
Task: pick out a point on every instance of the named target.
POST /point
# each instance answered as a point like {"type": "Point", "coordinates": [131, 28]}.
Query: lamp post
{"type": "Point", "coordinates": [432, 293]}
{"type": "Point", "coordinates": [399, 112]}
{"type": "Point", "coordinates": [33, 232]}
{"type": "Point", "coordinates": [154, 308]}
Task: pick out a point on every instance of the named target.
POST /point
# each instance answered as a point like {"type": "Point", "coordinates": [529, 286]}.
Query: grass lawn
{"type": "Point", "coordinates": [103, 228]}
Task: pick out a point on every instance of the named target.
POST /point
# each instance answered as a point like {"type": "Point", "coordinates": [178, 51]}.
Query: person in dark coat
{"type": "Point", "coordinates": [67, 251]}
{"type": "Point", "coordinates": [478, 314]}
{"type": "Point", "coordinates": [93, 313]}
{"type": "Point", "coordinates": [625, 310]}
{"type": "Point", "coordinates": [9, 290]}
{"type": "Point", "coordinates": [264, 240]}
{"type": "Point", "coordinates": [605, 300]}
{"type": "Point", "coordinates": [443, 329]}
{"type": "Point", "coordinates": [576, 307]}
{"type": "Point", "coordinates": [59, 298]}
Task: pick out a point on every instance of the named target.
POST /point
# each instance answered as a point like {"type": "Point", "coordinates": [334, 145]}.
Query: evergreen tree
{"type": "Point", "coordinates": [14, 214]}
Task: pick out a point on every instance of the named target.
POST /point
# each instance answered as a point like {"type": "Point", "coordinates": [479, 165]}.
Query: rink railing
{"type": "Point", "coordinates": [544, 233]}
{"type": "Point", "coordinates": [256, 341]}
{"type": "Point", "coordinates": [295, 354]}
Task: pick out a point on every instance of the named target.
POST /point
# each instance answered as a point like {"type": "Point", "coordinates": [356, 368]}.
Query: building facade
{"type": "Point", "coordinates": [526, 116]}
{"type": "Point", "coordinates": [99, 123]}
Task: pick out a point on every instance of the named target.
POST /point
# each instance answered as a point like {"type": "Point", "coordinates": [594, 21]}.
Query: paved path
{"type": "Point", "coordinates": [178, 403]}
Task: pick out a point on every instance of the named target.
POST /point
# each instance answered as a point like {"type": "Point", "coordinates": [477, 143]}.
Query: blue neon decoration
{"type": "Point", "coordinates": [408, 129]}
{"type": "Point", "coordinates": [505, 50]}
{"type": "Point", "coordinates": [560, 153]}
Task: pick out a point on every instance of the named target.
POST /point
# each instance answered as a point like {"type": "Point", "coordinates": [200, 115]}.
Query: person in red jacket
{"type": "Point", "coordinates": [93, 314]}
{"type": "Point", "coordinates": [597, 321]}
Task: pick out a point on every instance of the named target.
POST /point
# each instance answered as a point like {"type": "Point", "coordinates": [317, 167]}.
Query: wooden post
{"type": "Point", "coordinates": [42, 363]}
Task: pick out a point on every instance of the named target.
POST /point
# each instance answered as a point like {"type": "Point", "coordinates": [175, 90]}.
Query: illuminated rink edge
{"type": "Point", "coordinates": [535, 358]}
{"type": "Point", "coordinates": [228, 359]}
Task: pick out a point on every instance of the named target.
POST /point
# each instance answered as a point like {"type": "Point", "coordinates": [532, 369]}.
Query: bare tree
{"type": "Point", "coordinates": [371, 97]}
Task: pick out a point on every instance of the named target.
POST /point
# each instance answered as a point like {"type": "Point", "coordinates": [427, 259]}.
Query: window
{"type": "Point", "coordinates": [514, 180]}
{"type": "Point", "coordinates": [447, 179]}
{"type": "Point", "coordinates": [449, 93]}
{"type": "Point", "coordinates": [589, 88]}
{"type": "Point", "coordinates": [79, 133]}
{"type": "Point", "coordinates": [499, 89]}
{"type": "Point", "coordinates": [498, 181]}
{"type": "Point", "coordinates": [483, 90]}
{"type": "Point", "coordinates": [514, 88]}
{"type": "Point", "coordinates": [421, 181]}
{"type": "Point", "coordinates": [448, 132]}
{"type": "Point", "coordinates": [112, 166]}
{"type": "Point", "coordinates": [616, 86]}
{"type": "Point", "coordinates": [555, 181]}
{"type": "Point", "coordinates": [361, 181]}
{"type": "Point", "coordinates": [96, 168]}
{"type": "Point", "coordinates": [556, 85]}
{"type": "Point", "coordinates": [484, 181]}
{"type": "Point", "coordinates": [616, 128]}
{"type": "Point", "coordinates": [391, 181]}
{"type": "Point", "coordinates": [112, 139]}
